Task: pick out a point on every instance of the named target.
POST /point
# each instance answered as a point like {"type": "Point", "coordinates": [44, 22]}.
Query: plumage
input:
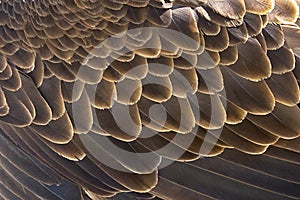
{"type": "Point", "coordinates": [259, 6]}
{"type": "Point", "coordinates": [149, 99]}
{"type": "Point", "coordinates": [284, 11]}
{"type": "Point", "coordinates": [280, 66]}
{"type": "Point", "coordinates": [158, 89]}
{"type": "Point", "coordinates": [290, 97]}
{"type": "Point", "coordinates": [253, 63]}
{"type": "Point", "coordinates": [247, 94]}
{"type": "Point", "coordinates": [274, 36]}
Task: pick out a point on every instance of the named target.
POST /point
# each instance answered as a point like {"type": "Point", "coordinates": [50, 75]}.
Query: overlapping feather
{"type": "Point", "coordinates": [184, 74]}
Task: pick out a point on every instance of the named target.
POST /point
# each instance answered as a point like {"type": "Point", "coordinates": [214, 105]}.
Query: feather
{"type": "Point", "coordinates": [121, 122]}
{"type": "Point", "coordinates": [9, 183]}
{"type": "Point", "coordinates": [259, 6]}
{"type": "Point", "coordinates": [282, 60]}
{"type": "Point", "coordinates": [234, 9]}
{"type": "Point", "coordinates": [210, 81]}
{"type": "Point", "coordinates": [237, 34]}
{"type": "Point", "coordinates": [290, 97]}
{"type": "Point", "coordinates": [243, 160]}
{"type": "Point", "coordinates": [71, 91]}
{"type": "Point", "coordinates": [246, 94]}
{"type": "Point", "coordinates": [20, 177]}
{"type": "Point", "coordinates": [208, 60]}
{"type": "Point", "coordinates": [219, 19]}
{"type": "Point", "coordinates": [54, 98]}
{"type": "Point", "coordinates": [229, 56]}
{"type": "Point", "coordinates": [38, 72]}
{"type": "Point", "coordinates": [284, 12]}
{"type": "Point", "coordinates": [175, 114]}
{"type": "Point", "coordinates": [234, 113]}
{"type": "Point", "coordinates": [215, 178]}
{"type": "Point", "coordinates": [279, 122]}
{"type": "Point", "coordinates": [149, 99]}
{"type": "Point", "coordinates": [185, 61]}
{"type": "Point", "coordinates": [253, 22]}
{"type": "Point", "coordinates": [218, 42]}
{"type": "Point", "coordinates": [59, 131]}
{"type": "Point", "coordinates": [162, 146]}
{"type": "Point", "coordinates": [253, 63]}
{"type": "Point", "coordinates": [66, 166]}
{"type": "Point", "coordinates": [43, 113]}
{"type": "Point", "coordinates": [23, 59]}
{"type": "Point", "coordinates": [208, 110]}
{"type": "Point", "coordinates": [184, 82]}
{"type": "Point", "coordinates": [239, 142]}
{"type": "Point", "coordinates": [291, 145]}
{"type": "Point", "coordinates": [192, 143]}
{"type": "Point", "coordinates": [281, 153]}
{"type": "Point", "coordinates": [151, 48]}
{"type": "Point", "coordinates": [204, 23]}
{"type": "Point", "coordinates": [291, 35]}
{"type": "Point", "coordinates": [112, 75]}
{"type": "Point", "coordinates": [126, 95]}
{"type": "Point", "coordinates": [19, 114]}
{"type": "Point", "coordinates": [249, 131]}
{"type": "Point", "coordinates": [6, 72]}
{"type": "Point", "coordinates": [136, 69]}
{"type": "Point", "coordinates": [161, 66]}
{"type": "Point", "coordinates": [185, 26]}
{"type": "Point", "coordinates": [31, 168]}
{"type": "Point", "coordinates": [13, 82]}
{"type": "Point", "coordinates": [274, 36]}
{"type": "Point", "coordinates": [160, 17]}
{"type": "Point", "coordinates": [119, 155]}
{"type": "Point", "coordinates": [80, 113]}
{"type": "Point", "coordinates": [102, 95]}
{"type": "Point", "coordinates": [60, 71]}
{"type": "Point", "coordinates": [157, 89]}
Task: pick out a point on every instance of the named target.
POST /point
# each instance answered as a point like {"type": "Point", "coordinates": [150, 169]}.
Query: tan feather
{"type": "Point", "coordinates": [217, 43]}
{"type": "Point", "coordinates": [136, 69]}
{"type": "Point", "coordinates": [237, 34]}
{"type": "Point", "coordinates": [80, 113]}
{"type": "Point", "coordinates": [290, 97]}
{"type": "Point", "coordinates": [112, 75]}
{"type": "Point", "coordinates": [86, 82]}
{"type": "Point", "coordinates": [247, 94]}
{"type": "Point", "coordinates": [161, 66]}
{"type": "Point", "coordinates": [204, 23]}
{"type": "Point", "coordinates": [208, 111]}
{"type": "Point", "coordinates": [71, 91]}
{"type": "Point", "coordinates": [157, 89]}
{"type": "Point", "coordinates": [53, 98]}
{"type": "Point", "coordinates": [184, 82]}
{"type": "Point", "coordinates": [230, 137]}
{"type": "Point", "coordinates": [254, 23]}
{"type": "Point", "coordinates": [210, 81]}
{"type": "Point", "coordinates": [280, 122]}
{"type": "Point", "coordinates": [284, 11]}
{"type": "Point", "coordinates": [259, 6]}
{"type": "Point", "coordinates": [234, 9]}
{"type": "Point", "coordinates": [126, 95]}
{"type": "Point", "coordinates": [234, 113]}
{"type": "Point", "coordinates": [102, 95]}
{"type": "Point", "coordinates": [121, 122]}
{"type": "Point", "coordinates": [280, 66]}
{"type": "Point", "coordinates": [58, 131]}
{"type": "Point", "coordinates": [274, 36]}
{"type": "Point", "coordinates": [253, 63]}
{"type": "Point", "coordinates": [250, 132]}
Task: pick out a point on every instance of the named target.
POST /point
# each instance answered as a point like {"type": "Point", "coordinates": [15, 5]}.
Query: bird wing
{"type": "Point", "coordinates": [142, 97]}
